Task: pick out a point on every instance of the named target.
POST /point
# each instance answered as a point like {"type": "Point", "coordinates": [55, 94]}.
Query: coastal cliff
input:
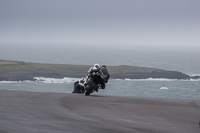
{"type": "Point", "coordinates": [19, 71]}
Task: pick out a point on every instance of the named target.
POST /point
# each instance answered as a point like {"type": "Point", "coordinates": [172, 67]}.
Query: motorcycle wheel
{"type": "Point", "coordinates": [90, 88]}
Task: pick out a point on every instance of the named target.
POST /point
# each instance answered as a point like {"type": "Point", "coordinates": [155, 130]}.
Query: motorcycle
{"type": "Point", "coordinates": [79, 88]}
{"type": "Point", "coordinates": [94, 82]}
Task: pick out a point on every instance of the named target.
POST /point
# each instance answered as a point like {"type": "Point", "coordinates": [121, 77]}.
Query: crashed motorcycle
{"type": "Point", "coordinates": [94, 82]}
{"type": "Point", "coordinates": [79, 88]}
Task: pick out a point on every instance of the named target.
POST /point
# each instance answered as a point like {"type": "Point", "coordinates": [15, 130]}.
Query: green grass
{"type": "Point", "coordinates": [2, 62]}
{"type": "Point", "coordinates": [17, 66]}
{"type": "Point", "coordinates": [25, 67]}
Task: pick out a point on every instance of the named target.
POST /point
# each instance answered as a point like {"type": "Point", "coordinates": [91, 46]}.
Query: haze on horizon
{"type": "Point", "coordinates": [172, 24]}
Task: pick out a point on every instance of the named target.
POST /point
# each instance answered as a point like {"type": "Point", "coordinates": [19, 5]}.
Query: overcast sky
{"type": "Point", "coordinates": [160, 23]}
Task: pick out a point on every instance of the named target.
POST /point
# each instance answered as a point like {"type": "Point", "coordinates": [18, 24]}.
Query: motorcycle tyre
{"type": "Point", "coordinates": [90, 89]}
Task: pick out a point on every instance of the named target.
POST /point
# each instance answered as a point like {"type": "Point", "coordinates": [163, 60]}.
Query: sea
{"type": "Point", "coordinates": [185, 61]}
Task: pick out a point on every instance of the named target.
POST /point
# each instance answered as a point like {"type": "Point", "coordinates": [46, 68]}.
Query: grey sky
{"type": "Point", "coordinates": [160, 23]}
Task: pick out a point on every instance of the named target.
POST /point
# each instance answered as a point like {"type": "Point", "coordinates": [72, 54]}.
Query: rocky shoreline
{"type": "Point", "coordinates": [20, 71]}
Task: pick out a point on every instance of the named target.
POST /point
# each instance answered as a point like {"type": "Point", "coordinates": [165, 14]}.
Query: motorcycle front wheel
{"type": "Point", "coordinates": [90, 88]}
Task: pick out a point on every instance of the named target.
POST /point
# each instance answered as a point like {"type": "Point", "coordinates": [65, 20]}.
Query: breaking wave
{"type": "Point", "coordinates": [72, 80]}
{"type": "Point", "coordinates": [164, 88]}
{"type": "Point", "coordinates": [55, 80]}
{"type": "Point", "coordinates": [9, 82]}
{"type": "Point", "coordinates": [195, 74]}
{"type": "Point", "coordinates": [159, 79]}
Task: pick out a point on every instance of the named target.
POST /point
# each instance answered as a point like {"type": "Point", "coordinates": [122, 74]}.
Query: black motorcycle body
{"type": "Point", "coordinates": [94, 82]}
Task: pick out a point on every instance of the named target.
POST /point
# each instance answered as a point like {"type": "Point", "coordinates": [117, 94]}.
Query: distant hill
{"type": "Point", "coordinates": [19, 71]}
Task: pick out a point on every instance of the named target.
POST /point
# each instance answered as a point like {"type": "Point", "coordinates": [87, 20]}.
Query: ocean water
{"type": "Point", "coordinates": [184, 61]}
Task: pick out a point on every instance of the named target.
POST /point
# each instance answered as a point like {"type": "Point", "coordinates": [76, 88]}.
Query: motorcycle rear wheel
{"type": "Point", "coordinates": [90, 88]}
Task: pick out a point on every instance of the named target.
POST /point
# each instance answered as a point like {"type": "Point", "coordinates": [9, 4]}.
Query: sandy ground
{"type": "Point", "coordinates": [39, 112]}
